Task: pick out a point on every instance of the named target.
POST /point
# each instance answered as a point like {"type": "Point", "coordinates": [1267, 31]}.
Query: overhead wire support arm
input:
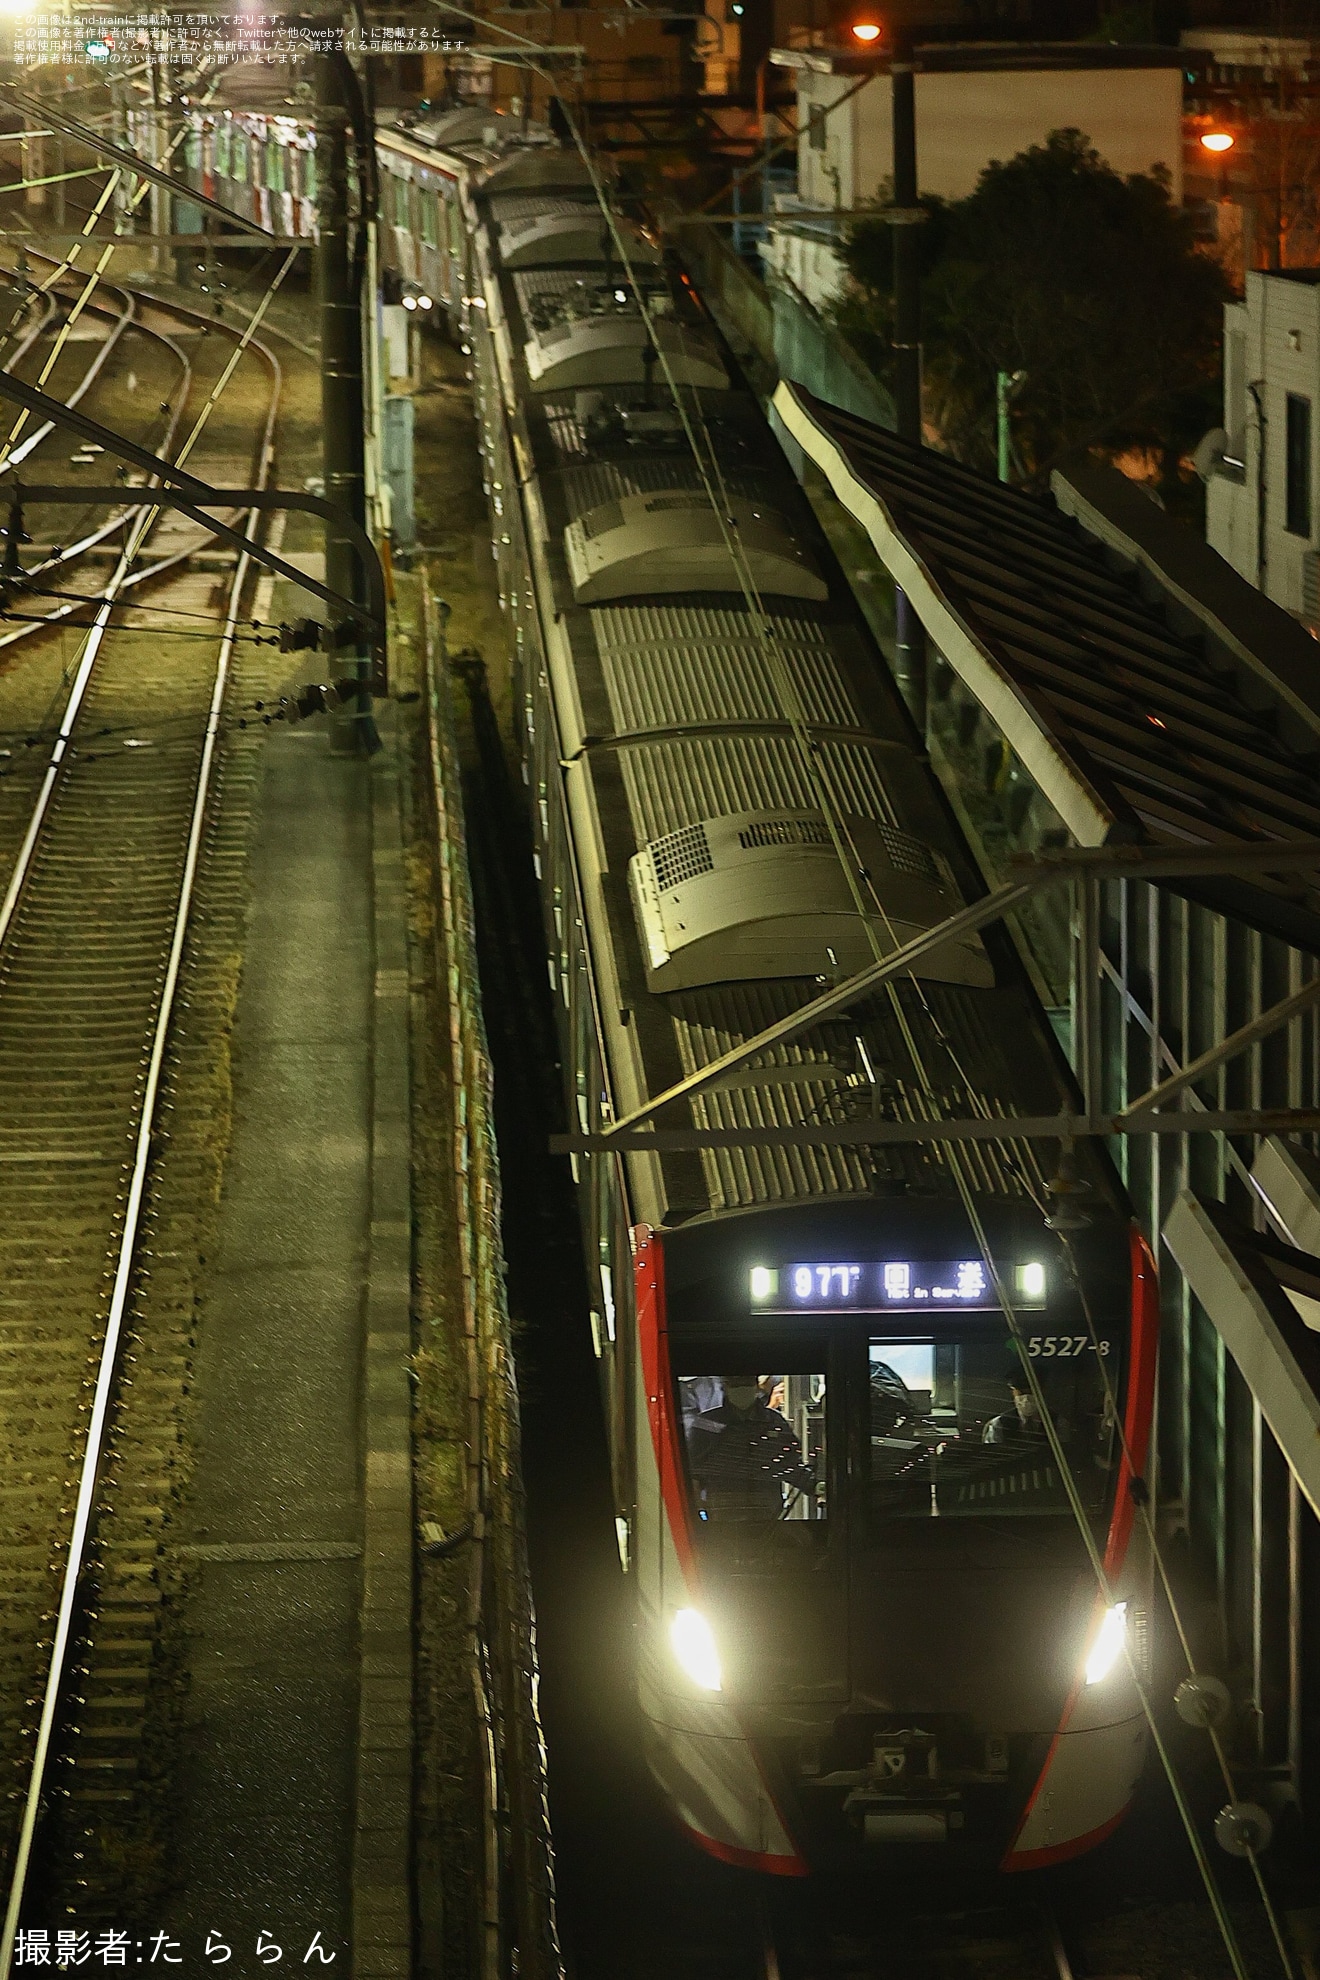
{"type": "Point", "coordinates": [371, 617]}
{"type": "Point", "coordinates": [1237, 1041]}
{"type": "Point", "coordinates": [877, 1131]}
{"type": "Point", "coordinates": [1085, 864]}
{"type": "Point", "coordinates": [193, 497]}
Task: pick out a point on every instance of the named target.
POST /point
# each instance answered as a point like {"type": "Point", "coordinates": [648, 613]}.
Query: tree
{"type": "Point", "coordinates": [1090, 282]}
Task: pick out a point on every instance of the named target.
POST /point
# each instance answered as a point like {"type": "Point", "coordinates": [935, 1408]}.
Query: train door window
{"type": "Point", "coordinates": [401, 217]}
{"type": "Point", "coordinates": [241, 156]}
{"type": "Point", "coordinates": [309, 175]}
{"type": "Point", "coordinates": [430, 220]}
{"type": "Point", "coordinates": [956, 1430]}
{"type": "Point", "coordinates": [756, 1447]}
{"type": "Point", "coordinates": [223, 149]}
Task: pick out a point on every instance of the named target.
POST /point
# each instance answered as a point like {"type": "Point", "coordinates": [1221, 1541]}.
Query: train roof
{"type": "Point", "coordinates": [718, 741]}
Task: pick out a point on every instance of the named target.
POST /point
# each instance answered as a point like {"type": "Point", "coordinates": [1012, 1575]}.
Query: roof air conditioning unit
{"type": "Point", "coordinates": [548, 238]}
{"type": "Point", "coordinates": [672, 541]}
{"type": "Point", "coordinates": [763, 894]}
{"type": "Point", "coordinates": [611, 350]}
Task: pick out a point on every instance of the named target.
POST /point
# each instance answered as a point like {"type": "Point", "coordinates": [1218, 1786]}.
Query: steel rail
{"type": "Point", "coordinates": [83, 677]}
{"type": "Point", "coordinates": [29, 336]}
{"type": "Point", "coordinates": [129, 318]}
{"type": "Point", "coordinates": [119, 581]}
{"type": "Point", "coordinates": [69, 556]}
{"type": "Point", "coordinates": [91, 284]}
{"type": "Point", "coordinates": [73, 552]}
{"type": "Point", "coordinates": [104, 1394]}
{"type": "Point", "coordinates": [371, 617]}
{"type": "Point", "coordinates": [28, 446]}
{"type": "Point", "coordinates": [192, 496]}
{"type": "Point", "coordinates": [1058, 1950]}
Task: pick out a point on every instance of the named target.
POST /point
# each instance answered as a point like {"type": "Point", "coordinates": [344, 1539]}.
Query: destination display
{"type": "Point", "coordinates": [893, 1285]}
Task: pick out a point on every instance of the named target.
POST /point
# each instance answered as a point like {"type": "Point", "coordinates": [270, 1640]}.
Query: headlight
{"type": "Point", "coordinates": [1108, 1645]}
{"type": "Point", "coordinates": [694, 1647]}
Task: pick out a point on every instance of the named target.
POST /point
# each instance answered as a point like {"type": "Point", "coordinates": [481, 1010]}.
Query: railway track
{"type": "Point", "coordinates": [160, 370]}
{"type": "Point", "coordinates": [101, 840]}
{"type": "Point", "coordinates": [878, 1940]}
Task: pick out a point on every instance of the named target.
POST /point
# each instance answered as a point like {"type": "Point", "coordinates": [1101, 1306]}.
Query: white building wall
{"type": "Point", "coordinates": [825, 171]}
{"type": "Point", "coordinates": [806, 260]}
{"type": "Point", "coordinates": [1271, 349]}
{"type": "Point", "coordinates": [1230, 504]}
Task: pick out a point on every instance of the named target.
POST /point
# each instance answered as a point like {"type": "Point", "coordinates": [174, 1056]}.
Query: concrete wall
{"type": "Point", "coordinates": [807, 258]}
{"type": "Point", "coordinates": [1132, 116]}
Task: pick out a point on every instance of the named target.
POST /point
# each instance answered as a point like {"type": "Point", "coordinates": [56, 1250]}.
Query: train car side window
{"type": "Point", "coordinates": [756, 1447]}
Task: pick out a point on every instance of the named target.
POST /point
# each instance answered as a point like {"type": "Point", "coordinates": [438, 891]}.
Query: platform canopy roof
{"type": "Point", "coordinates": [1262, 1291]}
{"type": "Point", "coordinates": [1150, 692]}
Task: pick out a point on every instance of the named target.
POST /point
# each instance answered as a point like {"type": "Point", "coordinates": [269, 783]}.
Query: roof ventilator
{"type": "Point", "coordinates": [757, 895]}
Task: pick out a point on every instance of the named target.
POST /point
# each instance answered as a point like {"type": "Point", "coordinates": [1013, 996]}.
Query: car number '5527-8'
{"type": "Point", "coordinates": [1047, 1344]}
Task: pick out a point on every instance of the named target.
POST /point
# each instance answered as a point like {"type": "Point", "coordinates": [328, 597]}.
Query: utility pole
{"type": "Point", "coordinates": [339, 307]}
{"type": "Point", "coordinates": [161, 203]}
{"type": "Point", "coordinates": [904, 217]}
{"type": "Point", "coordinates": [34, 162]}
{"type": "Point", "coordinates": [1007, 386]}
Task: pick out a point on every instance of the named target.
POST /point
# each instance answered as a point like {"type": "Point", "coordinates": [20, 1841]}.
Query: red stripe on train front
{"type": "Point", "coordinates": [747, 1859]}
{"type": "Point", "coordinates": [653, 1340]}
{"type": "Point", "coordinates": [1137, 1416]}
{"type": "Point", "coordinates": [1044, 1859]}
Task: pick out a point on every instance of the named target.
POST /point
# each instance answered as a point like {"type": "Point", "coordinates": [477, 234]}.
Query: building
{"type": "Point", "coordinates": [1261, 511]}
{"type": "Point", "coordinates": [976, 102]}
{"type": "Point", "coordinates": [1251, 156]}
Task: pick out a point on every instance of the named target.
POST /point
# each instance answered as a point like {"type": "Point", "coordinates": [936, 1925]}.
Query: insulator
{"type": "Point", "coordinates": [1202, 1701]}
{"type": "Point", "coordinates": [1243, 1828]}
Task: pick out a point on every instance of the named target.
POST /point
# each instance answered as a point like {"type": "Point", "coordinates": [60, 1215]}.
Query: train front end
{"type": "Point", "coordinates": [871, 1612]}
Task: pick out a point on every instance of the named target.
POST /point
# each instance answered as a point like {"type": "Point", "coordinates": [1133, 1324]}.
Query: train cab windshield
{"type": "Point", "coordinates": [956, 1431]}
{"type": "Point", "coordinates": [756, 1447]}
{"type": "Point", "coordinates": [941, 1422]}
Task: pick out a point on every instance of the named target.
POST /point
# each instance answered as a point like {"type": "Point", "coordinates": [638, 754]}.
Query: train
{"type": "Point", "coordinates": [875, 1411]}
